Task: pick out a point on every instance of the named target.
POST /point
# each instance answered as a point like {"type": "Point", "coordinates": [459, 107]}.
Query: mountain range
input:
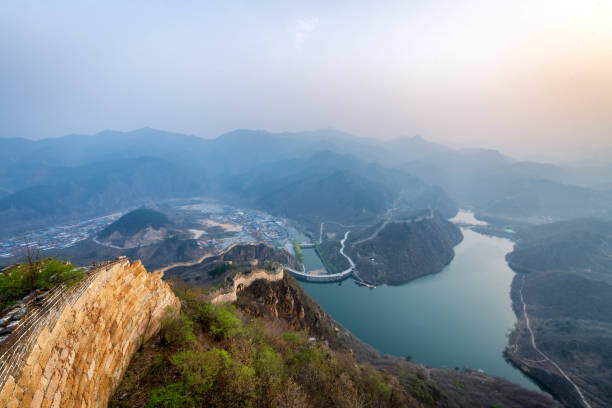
{"type": "Point", "coordinates": [314, 175]}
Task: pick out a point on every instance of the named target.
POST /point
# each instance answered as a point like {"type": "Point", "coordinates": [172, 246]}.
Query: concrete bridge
{"type": "Point", "coordinates": [306, 245]}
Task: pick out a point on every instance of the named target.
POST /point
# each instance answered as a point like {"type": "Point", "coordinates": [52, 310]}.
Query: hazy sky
{"type": "Point", "coordinates": [513, 75]}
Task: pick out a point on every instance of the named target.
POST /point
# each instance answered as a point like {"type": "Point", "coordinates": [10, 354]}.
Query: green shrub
{"type": "Point", "coordinates": [300, 352]}
{"type": "Point", "coordinates": [309, 354]}
{"type": "Point", "coordinates": [268, 363]}
{"type": "Point", "coordinates": [294, 339]}
{"type": "Point", "coordinates": [378, 387]}
{"type": "Point", "coordinates": [458, 386]}
{"type": "Point", "coordinates": [20, 279]}
{"type": "Point", "coordinates": [199, 369]}
{"type": "Point", "coordinates": [220, 320]}
{"type": "Point", "coordinates": [176, 329]}
{"type": "Point", "coordinates": [171, 396]}
{"type": "Point", "coordinates": [221, 269]}
{"type": "Point", "coordinates": [56, 272]}
{"type": "Point", "coordinates": [214, 379]}
{"type": "Point", "coordinates": [225, 325]}
{"type": "Point", "coordinates": [298, 251]}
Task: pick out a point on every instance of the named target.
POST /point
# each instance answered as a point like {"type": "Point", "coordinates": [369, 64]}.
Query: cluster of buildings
{"type": "Point", "coordinates": [56, 237]}
{"type": "Point", "coordinates": [261, 226]}
{"type": "Point", "coordinates": [255, 226]}
{"type": "Point", "coordinates": [269, 230]}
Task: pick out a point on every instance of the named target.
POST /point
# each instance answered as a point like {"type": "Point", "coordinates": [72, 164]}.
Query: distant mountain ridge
{"type": "Point", "coordinates": [327, 186]}
{"type": "Point", "coordinates": [94, 189]}
{"type": "Point", "coordinates": [76, 175]}
{"type": "Point", "coordinates": [75, 150]}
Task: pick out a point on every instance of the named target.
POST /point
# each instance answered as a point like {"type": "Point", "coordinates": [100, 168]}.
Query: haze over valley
{"type": "Point", "coordinates": [404, 204]}
{"type": "Point", "coordinates": [373, 211]}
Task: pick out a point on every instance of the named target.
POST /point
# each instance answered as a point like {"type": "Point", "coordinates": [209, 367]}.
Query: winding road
{"type": "Point", "coordinates": [330, 277]}
{"type": "Point", "coordinates": [544, 356]}
{"type": "Point", "coordinates": [95, 240]}
{"type": "Point", "coordinates": [342, 242]}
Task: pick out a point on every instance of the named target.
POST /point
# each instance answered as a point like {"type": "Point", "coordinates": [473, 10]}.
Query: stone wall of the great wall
{"type": "Point", "coordinates": [72, 346]}
{"type": "Point", "coordinates": [244, 280]}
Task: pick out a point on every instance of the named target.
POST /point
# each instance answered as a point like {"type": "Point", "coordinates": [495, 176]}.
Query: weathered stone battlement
{"type": "Point", "coordinates": [71, 346]}
{"type": "Point", "coordinates": [243, 280]}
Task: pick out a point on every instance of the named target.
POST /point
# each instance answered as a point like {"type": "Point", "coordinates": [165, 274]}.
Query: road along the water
{"type": "Point", "coordinates": [540, 352]}
{"type": "Point", "coordinates": [333, 277]}
{"type": "Point", "coordinates": [342, 242]}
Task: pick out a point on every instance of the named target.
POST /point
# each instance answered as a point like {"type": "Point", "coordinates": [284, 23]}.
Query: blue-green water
{"type": "Point", "coordinates": [312, 260]}
{"type": "Point", "coordinates": [459, 317]}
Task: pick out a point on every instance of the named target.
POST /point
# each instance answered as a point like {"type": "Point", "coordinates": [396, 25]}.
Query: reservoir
{"type": "Point", "coordinates": [459, 317]}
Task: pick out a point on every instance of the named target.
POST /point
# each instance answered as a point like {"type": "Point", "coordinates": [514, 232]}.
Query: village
{"type": "Point", "coordinates": [55, 237]}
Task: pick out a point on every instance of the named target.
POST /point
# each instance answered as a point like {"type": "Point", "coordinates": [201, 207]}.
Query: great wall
{"type": "Point", "coordinates": [242, 280]}
{"type": "Point", "coordinates": [69, 347]}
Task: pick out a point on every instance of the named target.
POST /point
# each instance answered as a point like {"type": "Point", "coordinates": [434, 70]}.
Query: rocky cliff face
{"type": "Point", "coordinates": [285, 300]}
{"type": "Point", "coordinates": [70, 346]}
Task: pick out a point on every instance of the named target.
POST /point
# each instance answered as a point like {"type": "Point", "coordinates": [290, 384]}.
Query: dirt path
{"type": "Point", "coordinates": [386, 222]}
{"type": "Point", "coordinates": [95, 240]}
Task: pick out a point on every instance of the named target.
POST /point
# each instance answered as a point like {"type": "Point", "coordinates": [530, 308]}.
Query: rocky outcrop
{"type": "Point", "coordinates": [72, 345]}
{"type": "Point", "coordinates": [285, 300]}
